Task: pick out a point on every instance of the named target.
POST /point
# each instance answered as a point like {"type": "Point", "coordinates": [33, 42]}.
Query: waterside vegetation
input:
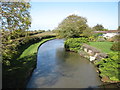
{"type": "Point", "coordinates": [74, 44]}
{"type": "Point", "coordinates": [19, 45]}
{"type": "Point", "coordinates": [22, 67]}
{"type": "Point", "coordinates": [76, 36]}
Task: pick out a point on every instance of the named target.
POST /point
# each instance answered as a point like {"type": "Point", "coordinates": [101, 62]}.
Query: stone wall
{"type": "Point", "coordinates": [94, 54]}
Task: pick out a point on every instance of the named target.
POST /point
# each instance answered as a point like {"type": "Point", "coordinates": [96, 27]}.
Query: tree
{"type": "Point", "coordinates": [72, 26]}
{"type": "Point", "coordinates": [88, 32]}
{"type": "Point", "coordinates": [15, 17]}
{"type": "Point", "coordinates": [16, 20]}
{"type": "Point", "coordinates": [99, 27]}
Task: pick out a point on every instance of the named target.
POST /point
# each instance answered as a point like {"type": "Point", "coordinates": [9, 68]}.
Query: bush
{"type": "Point", "coordinates": [114, 38]}
{"type": "Point", "coordinates": [110, 66]}
{"type": "Point", "coordinates": [92, 38]}
{"type": "Point", "coordinates": [100, 39]}
{"type": "Point", "coordinates": [115, 46]}
{"type": "Point", "coordinates": [74, 44]}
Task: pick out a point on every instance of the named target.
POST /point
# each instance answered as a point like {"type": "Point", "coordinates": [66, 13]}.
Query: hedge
{"type": "Point", "coordinates": [74, 44]}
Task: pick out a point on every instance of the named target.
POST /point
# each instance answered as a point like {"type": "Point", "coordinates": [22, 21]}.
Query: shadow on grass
{"type": "Point", "coordinates": [17, 75]}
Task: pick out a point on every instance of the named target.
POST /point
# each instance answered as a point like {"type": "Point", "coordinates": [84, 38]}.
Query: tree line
{"type": "Point", "coordinates": [76, 26]}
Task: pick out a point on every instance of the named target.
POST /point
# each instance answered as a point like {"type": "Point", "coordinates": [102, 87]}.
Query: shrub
{"type": "Point", "coordinates": [101, 39]}
{"type": "Point", "coordinates": [110, 66]}
{"type": "Point", "coordinates": [115, 46]}
{"type": "Point", "coordinates": [74, 44]}
{"type": "Point", "coordinates": [92, 38]}
{"type": "Point", "coordinates": [114, 38]}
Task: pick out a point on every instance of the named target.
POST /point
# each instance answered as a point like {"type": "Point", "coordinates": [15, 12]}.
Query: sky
{"type": "Point", "coordinates": [47, 15]}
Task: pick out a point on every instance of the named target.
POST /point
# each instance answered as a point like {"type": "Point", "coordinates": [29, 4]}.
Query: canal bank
{"type": "Point", "coordinates": [95, 56]}
{"type": "Point", "coordinates": [27, 63]}
{"type": "Point", "coordinates": [32, 51]}
{"type": "Point", "coordinates": [57, 68]}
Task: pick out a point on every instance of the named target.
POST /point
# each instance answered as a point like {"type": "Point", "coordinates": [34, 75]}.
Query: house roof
{"type": "Point", "coordinates": [109, 31]}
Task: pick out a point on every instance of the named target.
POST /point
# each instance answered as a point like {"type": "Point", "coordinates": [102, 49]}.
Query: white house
{"type": "Point", "coordinates": [109, 33]}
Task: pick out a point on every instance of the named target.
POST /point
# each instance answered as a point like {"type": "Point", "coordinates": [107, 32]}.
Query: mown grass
{"type": "Point", "coordinates": [33, 48]}
{"type": "Point", "coordinates": [102, 46]}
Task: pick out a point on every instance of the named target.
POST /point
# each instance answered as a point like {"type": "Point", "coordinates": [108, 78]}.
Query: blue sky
{"type": "Point", "coordinates": [47, 15]}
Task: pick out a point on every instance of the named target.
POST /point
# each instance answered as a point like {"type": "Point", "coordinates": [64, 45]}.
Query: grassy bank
{"type": "Point", "coordinates": [102, 46]}
{"type": "Point", "coordinates": [17, 75]}
{"type": "Point", "coordinates": [33, 48]}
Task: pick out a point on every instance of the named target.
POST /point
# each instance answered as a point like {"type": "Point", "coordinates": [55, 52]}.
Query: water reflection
{"type": "Point", "coordinates": [59, 69]}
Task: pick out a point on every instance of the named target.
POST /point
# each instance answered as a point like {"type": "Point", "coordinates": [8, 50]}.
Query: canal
{"type": "Point", "coordinates": [57, 68]}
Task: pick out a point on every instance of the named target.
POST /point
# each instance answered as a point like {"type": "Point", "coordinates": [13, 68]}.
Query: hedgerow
{"type": "Point", "coordinates": [13, 50]}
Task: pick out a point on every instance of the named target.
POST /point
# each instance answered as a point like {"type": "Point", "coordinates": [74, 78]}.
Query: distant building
{"type": "Point", "coordinates": [109, 33]}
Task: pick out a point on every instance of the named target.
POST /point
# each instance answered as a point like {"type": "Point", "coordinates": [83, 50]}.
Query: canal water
{"type": "Point", "coordinates": [57, 68]}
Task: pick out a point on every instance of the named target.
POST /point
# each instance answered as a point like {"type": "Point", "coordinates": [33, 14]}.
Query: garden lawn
{"type": "Point", "coordinates": [102, 46]}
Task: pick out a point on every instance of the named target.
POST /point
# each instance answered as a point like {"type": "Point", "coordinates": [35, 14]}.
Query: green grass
{"type": "Point", "coordinates": [33, 48]}
{"type": "Point", "coordinates": [102, 46]}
